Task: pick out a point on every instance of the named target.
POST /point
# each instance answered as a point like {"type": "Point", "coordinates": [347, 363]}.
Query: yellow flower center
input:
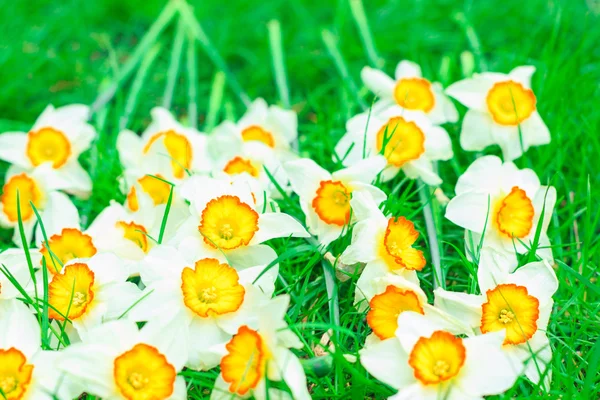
{"type": "Point", "coordinates": [211, 288]}
{"type": "Point", "coordinates": [512, 308]}
{"type": "Point", "coordinates": [179, 149]}
{"type": "Point", "coordinates": [15, 374]}
{"type": "Point", "coordinates": [396, 246]}
{"type": "Point", "coordinates": [48, 145]}
{"type": "Point", "coordinates": [158, 190]}
{"type": "Point", "coordinates": [244, 365]}
{"type": "Point", "coordinates": [256, 133]}
{"type": "Point", "coordinates": [239, 165]}
{"type": "Point", "coordinates": [228, 223]}
{"type": "Point", "coordinates": [510, 103]}
{"type": "Point", "coordinates": [135, 233]}
{"type": "Point", "coordinates": [332, 203]}
{"type": "Point", "coordinates": [400, 141]}
{"type": "Point", "coordinates": [66, 246]}
{"type": "Point", "coordinates": [387, 306]}
{"type": "Point", "coordinates": [514, 214]}
{"type": "Point", "coordinates": [143, 373]}
{"type": "Point", "coordinates": [28, 190]}
{"type": "Point", "coordinates": [71, 292]}
{"type": "Point", "coordinates": [414, 94]}
{"type": "Point", "coordinates": [437, 358]}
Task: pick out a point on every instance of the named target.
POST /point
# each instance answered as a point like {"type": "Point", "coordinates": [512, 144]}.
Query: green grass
{"type": "Point", "coordinates": [63, 52]}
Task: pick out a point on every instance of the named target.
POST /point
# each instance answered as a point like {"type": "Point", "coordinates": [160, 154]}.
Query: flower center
{"type": "Point", "coordinates": [135, 233]}
{"type": "Point", "coordinates": [512, 308]}
{"type": "Point", "coordinates": [239, 165]}
{"type": "Point", "coordinates": [257, 133]}
{"type": "Point", "coordinates": [179, 149]}
{"type": "Point", "coordinates": [66, 246]}
{"type": "Point", "coordinates": [332, 203]}
{"type": "Point", "coordinates": [514, 214]}
{"type": "Point", "coordinates": [396, 246]}
{"type": "Point", "coordinates": [244, 365]}
{"type": "Point", "coordinates": [48, 145]}
{"type": "Point", "coordinates": [15, 374]}
{"type": "Point", "coordinates": [414, 94]}
{"type": "Point", "coordinates": [387, 306]}
{"type": "Point", "coordinates": [510, 103]}
{"type": "Point", "coordinates": [144, 373]}
{"type": "Point", "coordinates": [437, 358]}
{"type": "Point", "coordinates": [71, 292]}
{"type": "Point", "coordinates": [211, 288]}
{"type": "Point", "coordinates": [28, 190]}
{"type": "Point", "coordinates": [227, 223]}
{"type": "Point", "coordinates": [400, 141]}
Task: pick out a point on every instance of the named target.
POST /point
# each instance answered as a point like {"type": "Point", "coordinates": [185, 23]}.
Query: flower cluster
{"type": "Point", "coordinates": [181, 275]}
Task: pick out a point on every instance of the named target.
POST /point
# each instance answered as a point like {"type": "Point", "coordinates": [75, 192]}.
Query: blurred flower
{"type": "Point", "coordinates": [325, 197]}
{"type": "Point", "coordinates": [519, 304]}
{"type": "Point", "coordinates": [502, 111]}
{"type": "Point", "coordinates": [118, 361]}
{"type": "Point", "coordinates": [26, 371]}
{"type": "Point", "coordinates": [407, 139]}
{"type": "Point", "coordinates": [255, 355]}
{"type": "Point", "coordinates": [57, 138]}
{"type": "Point", "coordinates": [410, 91]}
{"type": "Point", "coordinates": [424, 361]}
{"type": "Point", "coordinates": [504, 204]}
{"type": "Point", "coordinates": [210, 300]}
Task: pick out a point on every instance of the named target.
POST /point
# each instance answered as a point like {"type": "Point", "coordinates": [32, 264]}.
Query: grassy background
{"type": "Point", "coordinates": [62, 52]}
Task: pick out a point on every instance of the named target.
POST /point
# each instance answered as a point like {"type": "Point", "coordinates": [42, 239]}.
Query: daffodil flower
{"type": "Point", "coordinates": [384, 244]}
{"type": "Point", "coordinates": [518, 304]}
{"type": "Point", "coordinates": [504, 204]}
{"type": "Point", "coordinates": [166, 148]}
{"type": "Point", "coordinates": [502, 111]}
{"type": "Point", "coordinates": [40, 187]}
{"type": "Point", "coordinates": [57, 138]}
{"type": "Point", "coordinates": [407, 139]}
{"type": "Point", "coordinates": [27, 371]}
{"type": "Point", "coordinates": [272, 126]}
{"type": "Point", "coordinates": [88, 292]}
{"type": "Point", "coordinates": [325, 197]}
{"type": "Point", "coordinates": [228, 222]}
{"type": "Point", "coordinates": [426, 362]}
{"type": "Point", "coordinates": [118, 361]}
{"type": "Point", "coordinates": [210, 300]}
{"type": "Point", "coordinates": [410, 91]}
{"type": "Point", "coordinates": [254, 355]}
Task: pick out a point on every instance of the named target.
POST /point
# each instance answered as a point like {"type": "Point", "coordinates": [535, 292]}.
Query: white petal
{"type": "Point", "coordinates": [437, 144]}
{"type": "Point", "coordinates": [523, 75]}
{"type": "Point", "coordinates": [444, 109]}
{"type": "Point", "coordinates": [305, 176]}
{"type": "Point", "coordinates": [421, 392]}
{"type": "Point", "coordinates": [534, 131]}
{"type": "Point", "coordinates": [538, 277]}
{"type": "Point", "coordinates": [364, 171]}
{"type": "Point", "coordinates": [494, 267]}
{"type": "Point", "coordinates": [364, 206]}
{"type": "Point", "coordinates": [292, 373]}
{"type": "Point", "coordinates": [80, 183]}
{"type": "Point", "coordinates": [12, 148]}
{"type": "Point", "coordinates": [90, 366]}
{"type": "Point", "coordinates": [476, 131]}
{"type": "Point", "coordinates": [388, 362]}
{"type": "Point", "coordinates": [412, 326]}
{"type": "Point", "coordinates": [471, 92]}
{"type": "Point", "coordinates": [364, 242]}
{"type": "Point", "coordinates": [378, 82]}
{"type": "Point", "coordinates": [58, 214]}
{"type": "Point", "coordinates": [470, 211]}
{"type": "Point", "coordinates": [463, 306]}
{"type": "Point", "coordinates": [278, 225]}
{"type": "Point", "coordinates": [255, 115]}
{"type": "Point", "coordinates": [286, 120]}
{"type": "Point", "coordinates": [129, 146]}
{"type": "Point", "coordinates": [422, 168]}
{"type": "Point", "coordinates": [20, 328]}
{"type": "Point", "coordinates": [481, 176]}
{"type": "Point", "coordinates": [179, 389]}
{"type": "Point", "coordinates": [408, 69]}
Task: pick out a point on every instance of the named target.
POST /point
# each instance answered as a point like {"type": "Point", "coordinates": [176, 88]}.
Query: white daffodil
{"type": "Point", "coordinates": [271, 125]}
{"type": "Point", "coordinates": [229, 223]}
{"type": "Point", "coordinates": [254, 356]}
{"type": "Point", "coordinates": [408, 140]}
{"type": "Point", "coordinates": [13, 263]}
{"type": "Point", "coordinates": [386, 297]}
{"type": "Point", "coordinates": [118, 361]}
{"type": "Point", "coordinates": [26, 371]}
{"type": "Point", "coordinates": [519, 304]}
{"type": "Point", "coordinates": [502, 111]}
{"type": "Point", "coordinates": [426, 362]}
{"type": "Point", "coordinates": [410, 91]}
{"type": "Point", "coordinates": [88, 292]}
{"type": "Point", "coordinates": [325, 197]}
{"type": "Point", "coordinates": [131, 235]}
{"type": "Point", "coordinates": [237, 159]}
{"type": "Point", "coordinates": [39, 187]}
{"type": "Point", "coordinates": [504, 204]}
{"type": "Point", "coordinates": [57, 138]}
{"type": "Point", "coordinates": [384, 244]}
{"type": "Point", "coordinates": [210, 300]}
{"type": "Point", "coordinates": [166, 148]}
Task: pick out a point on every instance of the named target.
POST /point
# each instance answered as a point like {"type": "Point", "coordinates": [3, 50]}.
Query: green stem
{"type": "Point", "coordinates": [362, 24]}
{"type": "Point", "coordinates": [472, 38]}
{"type": "Point", "coordinates": [215, 100]}
{"type": "Point", "coordinates": [192, 83]}
{"type": "Point", "coordinates": [275, 44]}
{"type": "Point", "coordinates": [434, 247]}
{"type": "Point", "coordinates": [174, 64]}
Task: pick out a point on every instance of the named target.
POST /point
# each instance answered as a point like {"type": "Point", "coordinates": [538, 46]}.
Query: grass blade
{"type": "Point", "coordinates": [362, 24]}
{"type": "Point", "coordinates": [174, 64]}
{"type": "Point", "coordinates": [276, 47]}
